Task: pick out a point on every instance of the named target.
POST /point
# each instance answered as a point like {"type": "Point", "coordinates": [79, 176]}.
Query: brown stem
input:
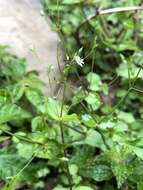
{"type": "Point", "coordinates": [104, 25]}
{"type": "Point", "coordinates": [110, 11]}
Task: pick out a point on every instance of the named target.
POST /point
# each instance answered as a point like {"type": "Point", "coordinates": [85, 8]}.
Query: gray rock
{"type": "Point", "coordinates": [29, 36]}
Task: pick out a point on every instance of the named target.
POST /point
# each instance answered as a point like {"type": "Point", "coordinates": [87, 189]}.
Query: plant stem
{"type": "Point", "coordinates": [109, 11]}
{"type": "Point", "coordinates": [104, 25]}
{"type": "Point", "coordinates": [63, 140]}
{"type": "Point", "coordinates": [128, 91]}
{"type": "Point", "coordinates": [76, 130]}
{"type": "Point", "coordinates": [23, 138]}
{"type": "Point", "coordinates": [120, 102]}
{"type": "Point", "coordinates": [138, 90]}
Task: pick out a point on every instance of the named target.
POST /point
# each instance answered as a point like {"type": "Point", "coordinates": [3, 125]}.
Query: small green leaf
{"type": "Point", "coordinates": [36, 98]}
{"type": "Point", "coordinates": [73, 169]}
{"type": "Point", "coordinates": [93, 101]}
{"type": "Point", "coordinates": [94, 138]}
{"type": "Point", "coordinates": [73, 117]}
{"type": "Point", "coordinates": [88, 121]}
{"type": "Point", "coordinates": [138, 152]}
{"type": "Point", "coordinates": [17, 91]}
{"type": "Point", "coordinates": [43, 172]}
{"type": "Point", "coordinates": [101, 173]}
{"type": "Point", "coordinates": [4, 97]}
{"type": "Point", "coordinates": [4, 138]}
{"type": "Point", "coordinates": [38, 123]}
{"type": "Point", "coordinates": [94, 81]}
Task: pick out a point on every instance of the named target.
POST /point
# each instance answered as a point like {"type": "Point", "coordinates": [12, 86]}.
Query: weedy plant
{"type": "Point", "coordinates": [94, 141]}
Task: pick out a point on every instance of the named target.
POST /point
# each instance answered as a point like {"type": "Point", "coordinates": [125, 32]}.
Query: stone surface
{"type": "Point", "coordinates": [29, 36]}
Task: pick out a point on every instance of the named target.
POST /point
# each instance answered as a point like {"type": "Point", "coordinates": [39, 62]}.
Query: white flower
{"type": "Point", "coordinates": [79, 61]}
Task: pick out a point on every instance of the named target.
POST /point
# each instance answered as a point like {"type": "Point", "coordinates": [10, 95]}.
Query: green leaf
{"type": "Point", "coordinates": [16, 91]}
{"type": "Point", "coordinates": [101, 173]}
{"type": "Point", "coordinates": [59, 187]}
{"type": "Point", "coordinates": [25, 150]}
{"type": "Point", "coordinates": [12, 112]}
{"type": "Point", "coordinates": [4, 97]}
{"type": "Point", "coordinates": [93, 101]}
{"type": "Point", "coordinates": [121, 164]}
{"type": "Point", "coordinates": [4, 138]}
{"type": "Point", "coordinates": [125, 116]}
{"type": "Point", "coordinates": [139, 185]}
{"type": "Point", "coordinates": [138, 152]}
{"type": "Point", "coordinates": [88, 121]}
{"type": "Point", "coordinates": [121, 172]}
{"type": "Point", "coordinates": [11, 66]}
{"type": "Point", "coordinates": [10, 163]}
{"type": "Point", "coordinates": [53, 109]}
{"type": "Point", "coordinates": [123, 71]}
{"type": "Point", "coordinates": [127, 45]}
{"type": "Point", "coordinates": [52, 151]}
{"type": "Point", "coordinates": [94, 81]}
{"type": "Point", "coordinates": [73, 117]}
{"type": "Point", "coordinates": [38, 123]}
{"type": "Point", "coordinates": [71, 1]}
{"type": "Point", "coordinates": [73, 169]}
{"type": "Point", "coordinates": [104, 88]}
{"type": "Point", "coordinates": [94, 138]}
{"type": "Point", "coordinates": [79, 96]}
{"type": "Point", "coordinates": [83, 188]}
{"type": "Point", "coordinates": [36, 98]}
{"type": "Point", "coordinates": [33, 81]}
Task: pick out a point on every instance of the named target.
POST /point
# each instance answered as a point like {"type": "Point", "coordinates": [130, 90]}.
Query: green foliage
{"type": "Point", "coordinates": [11, 166]}
{"type": "Point", "coordinates": [94, 141]}
{"type": "Point", "coordinates": [108, 55]}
